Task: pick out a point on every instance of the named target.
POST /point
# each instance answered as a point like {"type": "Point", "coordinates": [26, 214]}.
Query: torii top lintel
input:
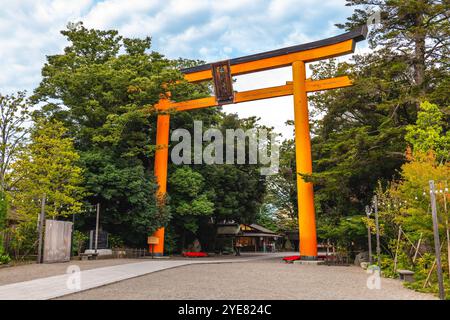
{"type": "Point", "coordinates": [308, 52]}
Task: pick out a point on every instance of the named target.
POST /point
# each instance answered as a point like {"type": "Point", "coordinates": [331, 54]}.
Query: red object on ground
{"type": "Point", "coordinates": [195, 254]}
{"type": "Point", "coordinates": [291, 258]}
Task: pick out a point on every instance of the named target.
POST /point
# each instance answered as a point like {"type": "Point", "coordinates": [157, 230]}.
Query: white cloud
{"type": "Point", "coordinates": [201, 29]}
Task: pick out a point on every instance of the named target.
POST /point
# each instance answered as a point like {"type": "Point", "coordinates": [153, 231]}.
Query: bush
{"type": "Point", "coordinates": [116, 241]}
{"type": "Point", "coordinates": [4, 258]}
{"type": "Point", "coordinates": [79, 239]}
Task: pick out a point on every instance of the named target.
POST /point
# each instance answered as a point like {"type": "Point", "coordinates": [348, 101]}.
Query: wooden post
{"type": "Point", "coordinates": [427, 280]}
{"type": "Point", "coordinates": [377, 226]}
{"type": "Point", "coordinates": [41, 229]}
{"type": "Point", "coordinates": [431, 270]}
{"type": "Point", "coordinates": [97, 220]}
{"type": "Point", "coordinates": [397, 248]}
{"type": "Point", "coordinates": [369, 234]}
{"type": "Point", "coordinates": [437, 246]}
{"type": "Point", "coordinates": [417, 248]}
{"type": "Point", "coordinates": [305, 192]}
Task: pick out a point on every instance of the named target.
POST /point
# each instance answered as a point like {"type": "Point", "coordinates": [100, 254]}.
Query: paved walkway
{"type": "Point", "coordinates": [61, 285]}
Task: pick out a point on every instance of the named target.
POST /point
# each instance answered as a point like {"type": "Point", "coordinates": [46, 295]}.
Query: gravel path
{"type": "Point", "coordinates": [27, 272]}
{"type": "Point", "coordinates": [259, 279]}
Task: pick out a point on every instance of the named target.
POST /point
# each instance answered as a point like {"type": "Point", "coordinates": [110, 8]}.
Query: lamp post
{"type": "Point", "coordinates": [375, 206]}
{"type": "Point", "coordinates": [369, 235]}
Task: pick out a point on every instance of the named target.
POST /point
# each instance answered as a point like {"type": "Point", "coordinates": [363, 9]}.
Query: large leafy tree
{"type": "Point", "coordinates": [47, 167]}
{"type": "Point", "coordinates": [358, 132]}
{"type": "Point", "coordinates": [14, 114]}
{"type": "Point", "coordinates": [189, 201]}
{"type": "Point", "coordinates": [360, 139]}
{"type": "Point", "coordinates": [282, 187]}
{"type": "Point", "coordinates": [201, 196]}
{"type": "Point", "coordinates": [416, 32]}
{"type": "Point", "coordinates": [103, 88]}
{"type": "Point", "coordinates": [237, 189]}
{"type": "Point", "coordinates": [428, 132]}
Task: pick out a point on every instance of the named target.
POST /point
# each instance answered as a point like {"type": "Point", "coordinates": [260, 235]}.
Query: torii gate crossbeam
{"type": "Point", "coordinates": [296, 57]}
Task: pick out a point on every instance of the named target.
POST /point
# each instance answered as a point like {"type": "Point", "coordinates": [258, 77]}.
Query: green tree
{"type": "Point", "coordinates": [282, 187]}
{"type": "Point", "coordinates": [103, 88]}
{"type": "Point", "coordinates": [48, 166]}
{"type": "Point", "coordinates": [14, 113]}
{"type": "Point", "coordinates": [414, 31]}
{"type": "Point", "coordinates": [266, 217]}
{"type": "Point", "coordinates": [358, 133]}
{"type": "Point", "coordinates": [428, 132]}
{"type": "Point", "coordinates": [235, 191]}
{"type": "Point", "coordinates": [189, 201]}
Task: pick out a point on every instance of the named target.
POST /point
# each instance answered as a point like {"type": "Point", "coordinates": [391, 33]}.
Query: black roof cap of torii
{"type": "Point", "coordinates": [356, 35]}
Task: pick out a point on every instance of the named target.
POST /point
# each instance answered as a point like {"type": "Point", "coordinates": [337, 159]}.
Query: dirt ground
{"type": "Point", "coordinates": [259, 279]}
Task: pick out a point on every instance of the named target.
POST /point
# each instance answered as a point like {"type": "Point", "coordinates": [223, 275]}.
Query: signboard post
{"type": "Point", "coordinates": [152, 241]}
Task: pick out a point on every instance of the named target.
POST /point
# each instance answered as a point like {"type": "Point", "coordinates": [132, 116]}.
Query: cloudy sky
{"type": "Point", "coordinates": [203, 29]}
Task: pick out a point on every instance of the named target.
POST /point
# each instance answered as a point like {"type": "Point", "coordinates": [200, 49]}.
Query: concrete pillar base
{"type": "Point", "coordinates": [309, 262]}
{"type": "Point", "coordinates": [308, 258]}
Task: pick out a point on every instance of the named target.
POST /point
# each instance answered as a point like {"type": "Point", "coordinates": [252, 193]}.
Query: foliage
{"type": "Point", "coordinates": [233, 192]}
{"type": "Point", "coordinates": [79, 242]}
{"type": "Point", "coordinates": [405, 204]}
{"type": "Point", "coordinates": [3, 217]}
{"type": "Point", "coordinates": [350, 232]}
{"type": "Point", "coordinates": [358, 133]}
{"type": "Point", "coordinates": [266, 218]}
{"type": "Point", "coordinates": [170, 240]}
{"type": "Point", "coordinates": [417, 32]}
{"type": "Point", "coordinates": [188, 199]}
{"type": "Point", "coordinates": [428, 132]}
{"type": "Point", "coordinates": [115, 241]}
{"type": "Point", "coordinates": [13, 131]}
{"type": "Point", "coordinates": [282, 187]}
{"type": "Point", "coordinates": [4, 258]}
{"type": "Point", "coordinates": [237, 190]}
{"type": "Point", "coordinates": [23, 239]}
{"type": "Point", "coordinates": [3, 211]}
{"type": "Point", "coordinates": [361, 138]}
{"type": "Point", "coordinates": [47, 167]}
{"type": "Point", "coordinates": [126, 193]}
{"type": "Point", "coordinates": [103, 88]}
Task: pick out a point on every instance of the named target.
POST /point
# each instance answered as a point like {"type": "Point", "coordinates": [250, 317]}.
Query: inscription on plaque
{"type": "Point", "coordinates": [223, 82]}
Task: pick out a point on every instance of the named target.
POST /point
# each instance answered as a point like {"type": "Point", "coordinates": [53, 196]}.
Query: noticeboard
{"type": "Point", "coordinates": [153, 240]}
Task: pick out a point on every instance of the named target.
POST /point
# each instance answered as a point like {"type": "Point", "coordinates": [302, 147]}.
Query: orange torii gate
{"type": "Point", "coordinates": [221, 73]}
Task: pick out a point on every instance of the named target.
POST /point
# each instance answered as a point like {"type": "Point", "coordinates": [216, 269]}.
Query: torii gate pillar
{"type": "Point", "coordinates": [303, 162]}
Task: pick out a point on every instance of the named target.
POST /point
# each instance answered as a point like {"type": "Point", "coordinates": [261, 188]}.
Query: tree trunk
{"type": "Point", "coordinates": [419, 58]}
{"type": "Point", "coordinates": [183, 240]}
